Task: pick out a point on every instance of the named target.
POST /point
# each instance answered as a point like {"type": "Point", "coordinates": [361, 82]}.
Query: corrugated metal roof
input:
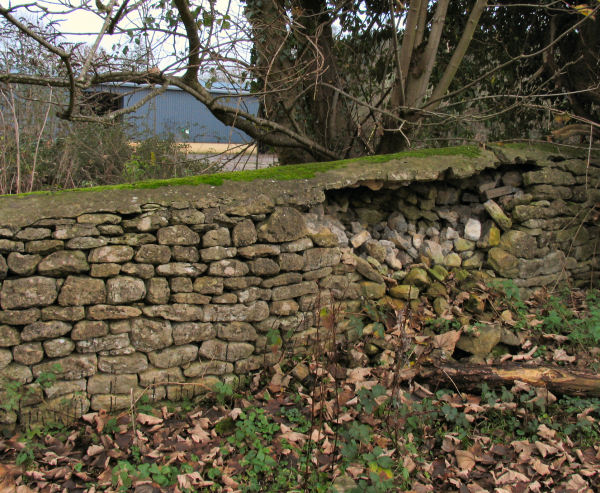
{"type": "Point", "coordinates": [179, 114]}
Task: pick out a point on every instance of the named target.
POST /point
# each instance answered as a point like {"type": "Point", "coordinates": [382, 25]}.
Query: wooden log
{"type": "Point", "coordinates": [557, 379]}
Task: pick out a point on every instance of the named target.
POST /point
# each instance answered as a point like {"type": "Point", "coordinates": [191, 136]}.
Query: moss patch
{"type": "Point", "coordinates": [289, 172]}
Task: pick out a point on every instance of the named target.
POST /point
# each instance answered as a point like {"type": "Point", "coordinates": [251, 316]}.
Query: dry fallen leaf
{"type": "Point", "coordinates": [148, 420]}
{"type": "Point", "coordinates": [465, 459]}
{"type": "Point", "coordinates": [561, 355]}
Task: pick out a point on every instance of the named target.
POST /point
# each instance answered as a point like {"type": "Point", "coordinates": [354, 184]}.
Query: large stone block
{"type": "Point", "coordinates": [244, 233]}
{"type": "Point", "coordinates": [125, 289]}
{"type": "Point", "coordinates": [130, 363]}
{"type": "Point", "coordinates": [111, 312]}
{"type": "Point", "coordinates": [236, 331]}
{"type": "Point", "coordinates": [113, 253]}
{"type": "Point", "coordinates": [28, 292]}
{"type": "Point", "coordinates": [111, 384]}
{"type": "Point", "coordinates": [78, 291]}
{"type": "Point", "coordinates": [237, 313]}
{"type": "Point", "coordinates": [186, 332]}
{"type": "Point", "coordinates": [153, 254]}
{"type": "Point", "coordinates": [110, 342]}
{"type": "Point", "coordinates": [9, 336]}
{"type": "Point", "coordinates": [294, 290]}
{"type": "Point", "coordinates": [173, 356]}
{"type": "Point", "coordinates": [179, 234]}
{"type": "Point", "coordinates": [40, 331]}
{"type": "Point", "coordinates": [70, 368]}
{"type": "Point", "coordinates": [216, 237]}
{"type": "Point", "coordinates": [228, 268]}
{"type": "Point", "coordinates": [149, 335]}
{"type": "Point", "coordinates": [283, 225]}
{"type": "Point", "coordinates": [177, 312]}
{"type": "Point", "coordinates": [181, 269]}
{"type": "Point", "coordinates": [23, 265]}
{"type": "Point", "coordinates": [28, 353]}
{"type": "Point", "coordinates": [63, 262]}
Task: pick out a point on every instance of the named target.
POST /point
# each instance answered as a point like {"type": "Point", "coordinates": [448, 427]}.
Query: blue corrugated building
{"type": "Point", "coordinates": [175, 112]}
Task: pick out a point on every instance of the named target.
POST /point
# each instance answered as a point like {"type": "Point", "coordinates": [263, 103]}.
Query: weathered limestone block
{"type": "Point", "coordinates": [212, 254]}
{"type": "Point", "coordinates": [18, 373]}
{"type": "Point", "coordinates": [66, 232]}
{"type": "Point", "coordinates": [317, 258]}
{"type": "Point", "coordinates": [214, 367]}
{"type": "Point", "coordinates": [220, 350]}
{"type": "Point", "coordinates": [120, 327]}
{"type": "Point", "coordinates": [187, 216]}
{"type": "Point", "coordinates": [111, 312]}
{"type": "Point", "coordinates": [249, 206]}
{"type": "Point", "coordinates": [216, 237]}
{"type": "Point", "coordinates": [28, 292]}
{"type": "Point", "coordinates": [111, 384]}
{"type": "Point", "coordinates": [285, 224]}
{"type": "Point", "coordinates": [181, 269]}
{"type": "Point", "coordinates": [404, 292]}
{"type": "Point", "coordinates": [105, 270]}
{"type": "Point", "coordinates": [552, 263]}
{"type": "Point", "coordinates": [71, 367]}
{"type": "Point", "coordinates": [234, 283]}
{"type": "Point", "coordinates": [153, 254]}
{"type": "Point", "coordinates": [366, 270]}
{"type": "Point", "coordinates": [418, 277]}
{"type": "Point", "coordinates": [43, 247]}
{"type": "Point", "coordinates": [158, 291]}
{"type": "Point", "coordinates": [64, 313]}
{"type": "Point", "coordinates": [9, 336]}
{"type": "Point", "coordinates": [29, 234]}
{"type": "Point", "coordinates": [252, 363]}
{"type": "Point", "coordinates": [7, 246]}
{"type": "Point", "coordinates": [291, 262]}
{"type": "Point", "coordinates": [124, 289]}
{"type": "Point", "coordinates": [225, 298]}
{"type": "Point", "coordinates": [504, 263]}
{"type": "Point", "coordinates": [472, 229]}
{"type": "Point", "coordinates": [99, 219]}
{"type": "Point", "coordinates": [372, 290]}
{"type": "Point", "coordinates": [77, 291]}
{"type": "Point", "coordinates": [294, 290]}
{"type": "Point", "coordinates": [22, 265]}
{"type": "Point", "coordinates": [177, 235]}
{"type": "Point", "coordinates": [193, 387]}
{"type": "Point", "coordinates": [130, 363]}
{"type": "Point", "coordinates": [5, 358]}
{"type": "Point", "coordinates": [39, 331]}
{"type": "Point", "coordinates": [264, 267]}
{"type": "Point", "coordinates": [149, 335]}
{"type": "Point", "coordinates": [110, 342]}
{"type": "Point", "coordinates": [519, 244]}
{"type": "Point", "coordinates": [63, 262]}
{"type": "Point", "coordinates": [63, 387]}
{"type": "Point", "coordinates": [176, 312]}
{"type": "Point", "coordinates": [3, 268]}
{"type": "Point", "coordinates": [482, 343]}
{"type": "Point", "coordinates": [236, 331]}
{"type": "Point", "coordinates": [149, 221]}
{"type": "Point", "coordinates": [259, 250]}
{"type": "Point", "coordinates": [208, 285]}
{"type": "Point", "coordinates": [190, 299]}
{"type": "Point", "coordinates": [228, 268]}
{"type": "Point", "coordinates": [186, 332]}
{"type": "Point", "coordinates": [154, 376]}
{"type": "Point", "coordinates": [296, 245]}
{"type": "Point", "coordinates": [282, 280]}
{"type": "Point", "coordinates": [252, 294]}
{"type": "Point", "coordinates": [143, 271]}
{"type": "Point", "coordinates": [110, 229]}
{"type": "Point", "coordinates": [173, 356]}
{"type": "Point", "coordinates": [112, 253]}
{"type": "Point", "coordinates": [185, 253]}
{"type": "Point", "coordinates": [284, 307]}
{"type": "Point", "coordinates": [244, 234]}
{"type": "Point", "coordinates": [57, 348]}
{"type": "Point", "coordinates": [86, 242]}
{"type": "Point", "coordinates": [237, 313]}
{"type": "Point", "coordinates": [133, 239]}
{"type": "Point", "coordinates": [28, 353]}
{"type": "Point", "coordinates": [181, 285]}
{"type": "Point", "coordinates": [498, 215]}
{"type": "Point", "coordinates": [548, 176]}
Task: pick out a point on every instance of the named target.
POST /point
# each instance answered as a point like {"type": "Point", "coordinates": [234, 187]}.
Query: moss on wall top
{"type": "Point", "coordinates": [301, 184]}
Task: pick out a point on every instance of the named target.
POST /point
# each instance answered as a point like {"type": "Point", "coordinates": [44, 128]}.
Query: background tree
{"type": "Point", "coordinates": [347, 78]}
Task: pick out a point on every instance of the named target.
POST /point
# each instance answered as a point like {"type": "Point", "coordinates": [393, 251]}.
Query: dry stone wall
{"type": "Point", "coordinates": [138, 295]}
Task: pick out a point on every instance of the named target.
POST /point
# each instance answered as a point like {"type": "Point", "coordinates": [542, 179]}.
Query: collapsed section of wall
{"type": "Point", "coordinates": [136, 295]}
